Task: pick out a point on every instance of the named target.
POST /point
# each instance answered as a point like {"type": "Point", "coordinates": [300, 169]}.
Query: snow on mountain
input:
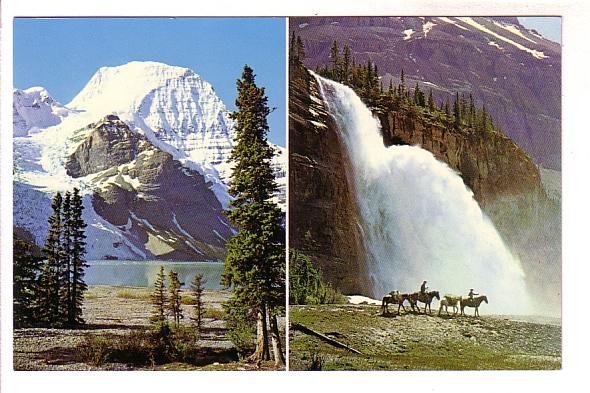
{"type": "Point", "coordinates": [172, 107]}
{"type": "Point", "coordinates": [33, 109]}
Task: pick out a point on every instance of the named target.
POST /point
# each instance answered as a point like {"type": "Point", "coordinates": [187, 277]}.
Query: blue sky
{"type": "Point", "coordinates": [548, 26]}
{"type": "Point", "coordinates": [62, 54]}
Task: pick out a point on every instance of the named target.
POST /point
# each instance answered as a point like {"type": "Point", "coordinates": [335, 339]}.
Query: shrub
{"type": "Point", "coordinates": [306, 285]}
{"type": "Point", "coordinates": [317, 362]}
{"type": "Point", "coordinates": [241, 324]}
{"type": "Point", "coordinates": [143, 347]}
{"type": "Point", "coordinates": [95, 350]}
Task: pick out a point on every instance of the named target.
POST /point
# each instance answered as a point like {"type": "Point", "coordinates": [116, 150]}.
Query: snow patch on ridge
{"type": "Point", "coordinates": [535, 53]}
{"type": "Point", "coordinates": [426, 27]}
{"type": "Point", "coordinates": [452, 22]}
{"type": "Point", "coordinates": [408, 34]}
{"type": "Point", "coordinates": [514, 30]}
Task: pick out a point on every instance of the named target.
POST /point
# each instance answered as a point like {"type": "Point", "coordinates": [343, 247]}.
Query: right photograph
{"type": "Point", "coordinates": [425, 193]}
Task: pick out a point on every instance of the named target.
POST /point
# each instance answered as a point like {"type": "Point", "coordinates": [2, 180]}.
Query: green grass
{"type": "Point", "coordinates": [126, 293]}
{"type": "Point", "coordinates": [385, 347]}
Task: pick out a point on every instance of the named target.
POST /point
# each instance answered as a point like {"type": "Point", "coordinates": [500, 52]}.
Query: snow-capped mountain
{"type": "Point", "coordinates": [127, 134]}
{"type": "Point", "coordinates": [514, 71]}
{"type": "Point", "coordinates": [33, 109]}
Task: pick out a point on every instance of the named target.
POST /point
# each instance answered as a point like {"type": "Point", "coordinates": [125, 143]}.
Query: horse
{"type": "Point", "coordinates": [472, 302]}
{"type": "Point", "coordinates": [394, 297]}
{"type": "Point", "coordinates": [449, 300]}
{"type": "Point", "coordinates": [423, 297]}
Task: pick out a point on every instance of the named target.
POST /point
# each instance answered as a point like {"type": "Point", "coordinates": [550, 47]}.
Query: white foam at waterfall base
{"type": "Point", "coordinates": [419, 221]}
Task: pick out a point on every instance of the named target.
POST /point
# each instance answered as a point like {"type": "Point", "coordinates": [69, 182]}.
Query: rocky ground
{"type": "Point", "coordinates": [422, 342]}
{"type": "Point", "coordinates": [111, 311]}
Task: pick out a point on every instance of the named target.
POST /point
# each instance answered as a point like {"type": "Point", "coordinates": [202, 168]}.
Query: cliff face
{"type": "Point", "coordinates": [162, 208]}
{"type": "Point", "coordinates": [490, 164]}
{"type": "Point", "coordinates": [323, 219]}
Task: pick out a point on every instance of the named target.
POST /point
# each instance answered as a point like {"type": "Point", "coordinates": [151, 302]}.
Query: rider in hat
{"type": "Point", "coordinates": [472, 294]}
{"type": "Point", "coordinates": [423, 287]}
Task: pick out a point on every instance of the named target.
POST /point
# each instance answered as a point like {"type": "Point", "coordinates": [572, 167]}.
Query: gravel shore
{"type": "Point", "coordinates": [107, 310]}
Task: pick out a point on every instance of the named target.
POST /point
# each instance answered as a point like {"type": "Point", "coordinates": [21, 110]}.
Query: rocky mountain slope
{"type": "Point", "coordinates": [148, 145]}
{"type": "Point", "coordinates": [514, 71]}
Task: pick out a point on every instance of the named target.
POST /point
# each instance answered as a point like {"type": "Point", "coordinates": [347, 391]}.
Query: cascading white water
{"type": "Point", "coordinates": [419, 220]}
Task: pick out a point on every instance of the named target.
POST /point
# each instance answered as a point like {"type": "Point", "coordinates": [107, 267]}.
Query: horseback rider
{"type": "Point", "coordinates": [423, 288]}
{"type": "Point", "coordinates": [472, 294]}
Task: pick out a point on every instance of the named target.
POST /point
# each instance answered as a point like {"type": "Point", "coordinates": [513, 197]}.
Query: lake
{"type": "Point", "coordinates": [143, 273]}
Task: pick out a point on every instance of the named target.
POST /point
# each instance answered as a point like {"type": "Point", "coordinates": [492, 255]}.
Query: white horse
{"type": "Point", "coordinates": [452, 301]}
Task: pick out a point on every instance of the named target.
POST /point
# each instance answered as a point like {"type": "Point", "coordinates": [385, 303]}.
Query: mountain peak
{"type": "Point", "coordinates": [121, 89]}
{"type": "Point", "coordinates": [35, 108]}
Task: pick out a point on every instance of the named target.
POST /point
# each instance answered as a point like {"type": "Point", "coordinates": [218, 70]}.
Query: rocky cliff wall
{"type": "Point", "coordinates": [322, 209]}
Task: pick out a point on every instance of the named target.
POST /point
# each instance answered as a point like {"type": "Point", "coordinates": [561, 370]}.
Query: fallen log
{"type": "Point", "coordinates": [331, 341]}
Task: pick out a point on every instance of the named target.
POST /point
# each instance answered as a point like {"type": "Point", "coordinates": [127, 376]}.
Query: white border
{"type": "Point", "coordinates": [576, 85]}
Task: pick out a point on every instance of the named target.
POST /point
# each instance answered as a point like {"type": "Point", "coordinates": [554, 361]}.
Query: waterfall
{"type": "Point", "coordinates": [419, 220]}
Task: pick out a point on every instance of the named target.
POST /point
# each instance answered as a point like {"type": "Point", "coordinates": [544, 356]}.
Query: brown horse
{"type": "Point", "coordinates": [472, 302]}
{"type": "Point", "coordinates": [394, 297]}
{"type": "Point", "coordinates": [423, 297]}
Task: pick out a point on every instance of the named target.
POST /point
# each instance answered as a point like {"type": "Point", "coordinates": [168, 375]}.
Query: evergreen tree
{"type": "Point", "coordinates": [431, 105]}
{"type": "Point", "coordinates": [292, 46]}
{"type": "Point", "coordinates": [335, 56]}
{"type": "Point", "coordinates": [447, 108]}
{"type": "Point", "coordinates": [255, 262]}
{"type": "Point", "coordinates": [471, 111]}
{"type": "Point", "coordinates": [66, 299]}
{"type": "Point", "coordinates": [25, 295]}
{"type": "Point", "coordinates": [197, 287]}
{"type": "Point", "coordinates": [159, 301]}
{"type": "Point", "coordinates": [457, 111]}
{"type": "Point", "coordinates": [346, 56]}
{"type": "Point", "coordinates": [299, 50]}
{"type": "Point", "coordinates": [51, 274]}
{"type": "Point", "coordinates": [174, 301]}
{"type": "Point", "coordinates": [78, 263]}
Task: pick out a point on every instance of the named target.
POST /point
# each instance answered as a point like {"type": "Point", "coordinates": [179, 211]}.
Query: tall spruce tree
{"type": "Point", "coordinates": [197, 287]}
{"type": "Point", "coordinates": [174, 301]}
{"type": "Point", "coordinates": [77, 262]}
{"type": "Point", "coordinates": [66, 290]}
{"type": "Point", "coordinates": [335, 56]}
{"type": "Point", "coordinates": [159, 300]}
{"type": "Point", "coordinates": [51, 273]}
{"type": "Point", "coordinates": [457, 111]}
{"type": "Point", "coordinates": [255, 261]}
{"type": "Point", "coordinates": [346, 57]}
{"type": "Point", "coordinates": [26, 265]}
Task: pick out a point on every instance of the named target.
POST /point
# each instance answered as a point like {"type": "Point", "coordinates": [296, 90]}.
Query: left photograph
{"type": "Point", "coordinates": [149, 193]}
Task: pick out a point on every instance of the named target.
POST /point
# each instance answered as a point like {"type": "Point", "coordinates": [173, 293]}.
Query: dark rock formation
{"type": "Point", "coordinates": [111, 143]}
{"type": "Point", "coordinates": [322, 206]}
{"type": "Point", "coordinates": [162, 207]}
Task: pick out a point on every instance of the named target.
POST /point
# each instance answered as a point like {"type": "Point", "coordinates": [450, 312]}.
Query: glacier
{"type": "Point", "coordinates": [172, 107]}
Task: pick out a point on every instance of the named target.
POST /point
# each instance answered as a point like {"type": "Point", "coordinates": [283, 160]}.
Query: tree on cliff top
{"type": "Point", "coordinates": [255, 261]}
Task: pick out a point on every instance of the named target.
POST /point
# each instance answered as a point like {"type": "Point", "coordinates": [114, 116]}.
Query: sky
{"type": "Point", "coordinates": [61, 55]}
{"type": "Point", "coordinates": [548, 26]}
